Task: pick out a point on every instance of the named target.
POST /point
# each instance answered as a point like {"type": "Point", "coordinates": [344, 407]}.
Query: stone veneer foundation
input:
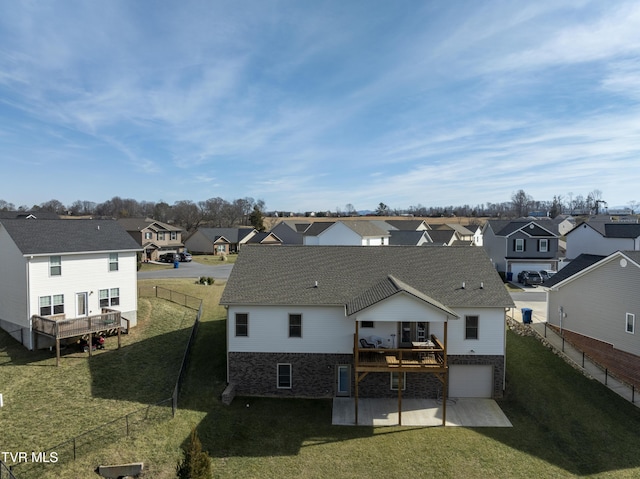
{"type": "Point", "coordinates": [315, 376]}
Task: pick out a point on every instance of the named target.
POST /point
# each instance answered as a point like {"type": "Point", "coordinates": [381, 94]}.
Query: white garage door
{"type": "Point", "coordinates": [470, 381]}
{"type": "Point", "coordinates": [517, 267]}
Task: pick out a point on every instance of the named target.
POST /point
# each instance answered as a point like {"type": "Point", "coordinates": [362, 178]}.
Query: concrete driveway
{"type": "Point", "coordinates": [465, 412]}
{"type": "Point", "coordinates": [533, 298]}
{"type": "Point", "coordinates": [189, 270]}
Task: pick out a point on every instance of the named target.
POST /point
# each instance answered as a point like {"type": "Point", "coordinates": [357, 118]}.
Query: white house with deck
{"type": "Point", "coordinates": [365, 322]}
{"type": "Point", "coordinates": [65, 269]}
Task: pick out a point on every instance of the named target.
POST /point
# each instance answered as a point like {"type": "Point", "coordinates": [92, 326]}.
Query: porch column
{"type": "Point", "coordinates": [445, 383]}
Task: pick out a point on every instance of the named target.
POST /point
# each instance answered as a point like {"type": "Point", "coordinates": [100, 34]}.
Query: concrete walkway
{"type": "Point", "coordinates": [466, 412]}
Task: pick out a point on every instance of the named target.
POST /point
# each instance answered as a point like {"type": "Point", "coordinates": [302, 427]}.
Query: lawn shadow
{"type": "Point", "coordinates": [563, 417]}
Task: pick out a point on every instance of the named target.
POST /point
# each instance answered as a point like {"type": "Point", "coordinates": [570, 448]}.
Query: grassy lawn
{"type": "Point", "coordinates": [564, 424]}
{"type": "Point", "coordinates": [212, 260]}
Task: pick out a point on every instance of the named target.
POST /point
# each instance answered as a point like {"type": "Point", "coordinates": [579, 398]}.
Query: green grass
{"type": "Point", "coordinates": [212, 260]}
{"type": "Point", "coordinates": [565, 425]}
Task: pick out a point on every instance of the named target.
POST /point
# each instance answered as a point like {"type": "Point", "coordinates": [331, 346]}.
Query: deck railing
{"type": "Point", "coordinates": [401, 358]}
{"type": "Point", "coordinates": [67, 328]}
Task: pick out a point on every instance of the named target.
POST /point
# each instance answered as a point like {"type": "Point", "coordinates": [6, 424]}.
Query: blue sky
{"type": "Point", "coordinates": [316, 104]}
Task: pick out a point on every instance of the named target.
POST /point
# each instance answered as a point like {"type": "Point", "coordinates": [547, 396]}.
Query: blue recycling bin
{"type": "Point", "coordinates": [176, 264]}
{"type": "Point", "coordinates": [526, 315]}
{"type": "Point", "coordinates": [509, 276]}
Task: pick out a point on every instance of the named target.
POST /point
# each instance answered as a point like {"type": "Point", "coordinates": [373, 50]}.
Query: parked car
{"type": "Point", "coordinates": [531, 278]}
{"type": "Point", "coordinates": [170, 257]}
{"type": "Point", "coordinates": [185, 257]}
{"type": "Point", "coordinates": [546, 274]}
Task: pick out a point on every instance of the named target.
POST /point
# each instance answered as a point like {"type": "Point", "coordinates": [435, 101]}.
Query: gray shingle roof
{"type": "Point", "coordinates": [286, 276]}
{"type": "Point", "coordinates": [575, 266]}
{"type": "Point", "coordinates": [622, 230]}
{"type": "Point", "coordinates": [233, 235]}
{"type": "Point", "coordinates": [365, 228]}
{"type": "Point", "coordinates": [406, 238]}
{"type": "Point", "coordinates": [318, 227]}
{"type": "Point", "coordinates": [408, 225]}
{"type": "Point", "coordinates": [68, 236]}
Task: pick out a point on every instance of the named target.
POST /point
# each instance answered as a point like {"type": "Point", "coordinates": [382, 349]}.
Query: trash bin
{"type": "Point", "coordinates": [526, 315]}
{"type": "Point", "coordinates": [509, 276]}
{"type": "Point", "coordinates": [176, 264]}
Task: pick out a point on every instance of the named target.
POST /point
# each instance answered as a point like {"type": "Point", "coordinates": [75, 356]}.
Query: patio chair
{"type": "Point", "coordinates": [366, 344]}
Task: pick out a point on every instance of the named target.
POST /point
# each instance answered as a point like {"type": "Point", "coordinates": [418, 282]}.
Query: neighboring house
{"type": "Point", "coordinates": [43, 215]}
{"type": "Point", "coordinates": [408, 225]}
{"type": "Point", "coordinates": [464, 234]}
{"type": "Point", "coordinates": [408, 238]}
{"type": "Point", "coordinates": [66, 269]}
{"type": "Point", "coordinates": [291, 232]}
{"type": "Point", "coordinates": [299, 321]}
{"type": "Point", "coordinates": [219, 240]}
{"type": "Point", "coordinates": [155, 237]}
{"type": "Point", "coordinates": [564, 223]}
{"type": "Point", "coordinates": [597, 297]}
{"type": "Point", "coordinates": [346, 233]}
{"type": "Point", "coordinates": [477, 234]}
{"type": "Point", "coordinates": [266, 238]}
{"type": "Point", "coordinates": [520, 245]}
{"type": "Point", "coordinates": [444, 237]}
{"type": "Point", "coordinates": [603, 238]}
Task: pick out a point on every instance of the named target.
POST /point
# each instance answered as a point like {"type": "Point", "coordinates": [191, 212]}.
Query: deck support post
{"type": "Point", "coordinates": [400, 374]}
{"type": "Point", "coordinates": [445, 385]}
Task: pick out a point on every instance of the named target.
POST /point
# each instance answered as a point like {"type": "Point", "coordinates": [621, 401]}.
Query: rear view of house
{"type": "Point", "coordinates": [64, 269]}
{"type": "Point", "coordinates": [330, 321]}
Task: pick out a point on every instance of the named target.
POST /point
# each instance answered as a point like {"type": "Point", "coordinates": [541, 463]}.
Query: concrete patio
{"type": "Point", "coordinates": [465, 412]}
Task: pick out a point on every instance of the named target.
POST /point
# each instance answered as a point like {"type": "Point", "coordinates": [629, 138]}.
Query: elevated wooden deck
{"type": "Point", "coordinates": [58, 327]}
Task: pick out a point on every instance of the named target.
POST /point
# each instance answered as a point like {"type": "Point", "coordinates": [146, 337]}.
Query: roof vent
{"type": "Point", "coordinates": [463, 285]}
{"type": "Point", "coordinates": [315, 284]}
{"type": "Point", "coordinates": [481, 284]}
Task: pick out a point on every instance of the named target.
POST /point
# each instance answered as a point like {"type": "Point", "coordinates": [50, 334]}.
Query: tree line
{"type": "Point", "coordinates": [218, 212]}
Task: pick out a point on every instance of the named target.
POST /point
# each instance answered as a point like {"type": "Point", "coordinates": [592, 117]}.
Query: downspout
{"type": "Point", "coordinates": [28, 308]}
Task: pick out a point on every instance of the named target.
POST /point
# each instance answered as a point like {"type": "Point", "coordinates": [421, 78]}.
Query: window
{"type": "Point", "coordinates": [55, 265]}
{"type": "Point", "coordinates": [366, 324]}
{"type": "Point", "coordinates": [109, 297]}
{"type": "Point", "coordinates": [394, 381]}
{"type": "Point", "coordinates": [543, 245]}
{"type": "Point", "coordinates": [161, 235]}
{"type": "Point", "coordinates": [284, 376]}
{"type": "Point", "coordinates": [471, 327]}
{"type": "Point", "coordinates": [113, 261]}
{"type": "Point", "coordinates": [50, 305]}
{"type": "Point", "coordinates": [519, 245]}
{"type": "Point", "coordinates": [295, 325]}
{"type": "Point", "coordinates": [630, 323]}
{"type": "Point", "coordinates": [242, 324]}
{"type": "Point", "coordinates": [148, 235]}
{"type": "Point", "coordinates": [174, 235]}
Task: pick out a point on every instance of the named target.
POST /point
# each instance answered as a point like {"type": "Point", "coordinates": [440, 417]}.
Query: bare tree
{"type": "Point", "coordinates": [522, 203]}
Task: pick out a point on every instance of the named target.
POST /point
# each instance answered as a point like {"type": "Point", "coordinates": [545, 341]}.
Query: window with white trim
{"type": "Point", "coordinates": [295, 325]}
{"type": "Point", "coordinates": [50, 305]}
{"type": "Point", "coordinates": [519, 245]}
{"type": "Point", "coordinates": [394, 381]}
{"type": "Point", "coordinates": [242, 324]}
{"type": "Point", "coordinates": [174, 235]}
{"type": "Point", "coordinates": [471, 326]}
{"type": "Point", "coordinates": [160, 235]}
{"type": "Point", "coordinates": [55, 265]}
{"type": "Point", "coordinates": [284, 376]}
{"type": "Point", "coordinates": [113, 261]}
{"type": "Point", "coordinates": [630, 321]}
{"type": "Point", "coordinates": [543, 245]}
{"type": "Point", "coordinates": [109, 297]}
{"type": "Point", "coordinates": [148, 235]}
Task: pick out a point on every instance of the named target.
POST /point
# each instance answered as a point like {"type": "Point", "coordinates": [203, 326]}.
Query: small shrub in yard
{"type": "Point", "coordinates": [196, 463]}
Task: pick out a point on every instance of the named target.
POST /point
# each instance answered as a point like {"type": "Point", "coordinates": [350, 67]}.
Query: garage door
{"type": "Point", "coordinates": [470, 381]}
{"type": "Point", "coordinates": [517, 267]}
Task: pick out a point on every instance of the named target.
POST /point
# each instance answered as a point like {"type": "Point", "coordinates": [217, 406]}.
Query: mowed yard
{"type": "Point", "coordinates": [565, 425]}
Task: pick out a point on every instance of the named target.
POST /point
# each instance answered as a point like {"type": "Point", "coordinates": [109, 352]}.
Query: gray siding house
{"type": "Point", "coordinates": [597, 297]}
{"type": "Point", "coordinates": [521, 245]}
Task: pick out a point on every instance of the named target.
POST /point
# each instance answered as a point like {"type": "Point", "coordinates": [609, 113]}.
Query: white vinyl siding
{"type": "Point", "coordinates": [86, 272]}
